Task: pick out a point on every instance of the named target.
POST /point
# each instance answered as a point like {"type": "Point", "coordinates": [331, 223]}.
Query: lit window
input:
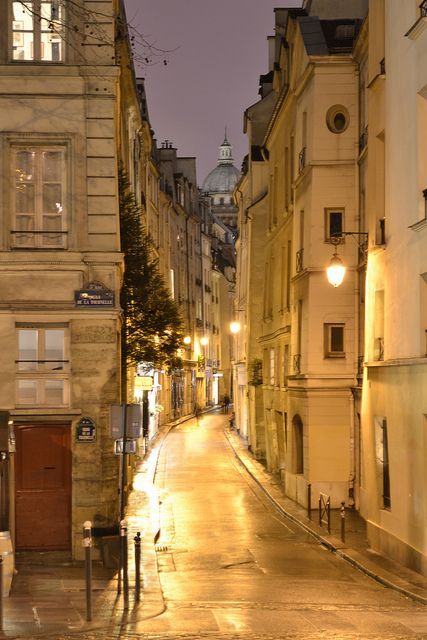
{"type": "Point", "coordinates": [42, 367]}
{"type": "Point", "coordinates": [37, 31]}
{"type": "Point", "coordinates": [38, 197]}
{"type": "Point", "coordinates": [272, 366]}
{"type": "Point", "coordinates": [334, 341]}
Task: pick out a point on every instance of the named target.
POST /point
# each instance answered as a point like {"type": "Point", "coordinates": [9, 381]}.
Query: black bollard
{"type": "Point", "coordinates": [137, 541]}
{"type": "Point", "coordinates": [87, 543]}
{"type": "Point", "coordinates": [343, 521]}
{"type": "Point", "coordinates": [124, 555]}
{"type": "Point", "coordinates": [1, 592]}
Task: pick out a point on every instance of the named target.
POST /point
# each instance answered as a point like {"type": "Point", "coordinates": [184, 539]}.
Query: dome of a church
{"type": "Point", "coordinates": [225, 176]}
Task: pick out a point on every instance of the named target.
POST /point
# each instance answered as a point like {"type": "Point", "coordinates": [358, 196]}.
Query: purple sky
{"type": "Point", "coordinates": [212, 77]}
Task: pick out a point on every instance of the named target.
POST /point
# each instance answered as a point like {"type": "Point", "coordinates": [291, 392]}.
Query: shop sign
{"type": "Point", "coordinates": [86, 430]}
{"type": "Point", "coordinates": [144, 383]}
{"type": "Point", "coordinates": [95, 295]}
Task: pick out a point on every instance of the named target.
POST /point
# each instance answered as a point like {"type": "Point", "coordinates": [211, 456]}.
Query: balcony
{"type": "Point", "coordinates": [297, 364]}
{"type": "Point", "coordinates": [299, 260]}
{"type": "Point", "coordinates": [301, 160]}
{"type": "Point", "coordinates": [363, 140]}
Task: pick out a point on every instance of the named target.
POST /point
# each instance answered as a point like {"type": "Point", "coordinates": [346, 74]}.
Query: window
{"type": "Point", "coordinates": [334, 223]}
{"type": "Point", "coordinates": [272, 365]}
{"type": "Point", "coordinates": [285, 364]}
{"type": "Point", "coordinates": [37, 31]}
{"type": "Point", "coordinates": [38, 205]}
{"type": "Point", "coordinates": [334, 340]}
{"type": "Point", "coordinates": [381, 443]}
{"type": "Point", "coordinates": [337, 119]}
{"type": "Point", "coordinates": [42, 367]}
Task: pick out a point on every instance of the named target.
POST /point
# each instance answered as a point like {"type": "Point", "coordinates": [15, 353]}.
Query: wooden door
{"type": "Point", "coordinates": [43, 486]}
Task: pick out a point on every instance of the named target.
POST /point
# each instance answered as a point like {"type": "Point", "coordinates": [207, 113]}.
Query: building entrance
{"type": "Point", "coordinates": [43, 486]}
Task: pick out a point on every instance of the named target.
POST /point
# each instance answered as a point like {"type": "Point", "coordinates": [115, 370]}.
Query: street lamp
{"type": "Point", "coordinates": [335, 272]}
{"type": "Point", "coordinates": [235, 326]}
{"type": "Point", "coordinates": [204, 341]}
{"type": "Point", "coordinates": [187, 340]}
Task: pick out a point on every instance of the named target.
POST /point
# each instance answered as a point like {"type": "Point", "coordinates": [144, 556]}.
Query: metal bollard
{"type": "Point", "coordinates": [1, 592]}
{"type": "Point", "coordinates": [343, 521]}
{"type": "Point", "coordinates": [137, 541]}
{"type": "Point", "coordinates": [87, 543]}
{"type": "Point", "coordinates": [124, 555]}
{"type": "Point", "coordinates": [309, 501]}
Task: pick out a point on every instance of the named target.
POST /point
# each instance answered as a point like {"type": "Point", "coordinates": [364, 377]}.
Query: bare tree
{"type": "Point", "coordinates": [71, 22]}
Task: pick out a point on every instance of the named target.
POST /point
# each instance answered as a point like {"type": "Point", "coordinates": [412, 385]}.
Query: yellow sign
{"type": "Point", "coordinates": [144, 383]}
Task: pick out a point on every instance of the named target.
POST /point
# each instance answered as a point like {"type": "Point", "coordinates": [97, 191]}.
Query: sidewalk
{"type": "Point", "coordinates": [354, 550]}
{"type": "Point", "coordinates": [48, 594]}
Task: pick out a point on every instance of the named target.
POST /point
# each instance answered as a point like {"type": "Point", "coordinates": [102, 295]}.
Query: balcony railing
{"type": "Point", "coordinates": [423, 9]}
{"type": "Point", "coordinates": [301, 160]}
{"type": "Point", "coordinates": [39, 239]}
{"type": "Point", "coordinates": [297, 364]}
{"type": "Point", "coordinates": [363, 140]}
{"type": "Point", "coordinates": [379, 348]}
{"type": "Point", "coordinates": [300, 260]}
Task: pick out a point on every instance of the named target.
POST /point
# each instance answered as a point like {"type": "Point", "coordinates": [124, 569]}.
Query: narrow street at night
{"type": "Point", "coordinates": [230, 567]}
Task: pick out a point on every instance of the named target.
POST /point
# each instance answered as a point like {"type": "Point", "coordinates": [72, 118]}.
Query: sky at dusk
{"type": "Point", "coordinates": [218, 51]}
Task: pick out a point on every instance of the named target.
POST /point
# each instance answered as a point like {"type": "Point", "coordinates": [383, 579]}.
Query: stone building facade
{"type": "Point", "coordinates": [331, 384]}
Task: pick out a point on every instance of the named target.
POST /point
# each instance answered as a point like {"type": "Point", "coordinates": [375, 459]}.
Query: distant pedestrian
{"type": "Point", "coordinates": [197, 412]}
{"type": "Point", "coordinates": [226, 403]}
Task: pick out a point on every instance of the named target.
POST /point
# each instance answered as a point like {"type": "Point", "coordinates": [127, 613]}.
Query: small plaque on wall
{"type": "Point", "coordinates": [86, 430]}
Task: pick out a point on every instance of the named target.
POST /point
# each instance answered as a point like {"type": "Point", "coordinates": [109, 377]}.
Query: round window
{"type": "Point", "coordinates": [337, 119]}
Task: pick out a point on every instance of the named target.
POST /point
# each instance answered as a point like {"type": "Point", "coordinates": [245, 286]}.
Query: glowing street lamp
{"type": "Point", "coordinates": [335, 272]}
{"type": "Point", "coordinates": [187, 340]}
{"type": "Point", "coordinates": [204, 341]}
{"type": "Point", "coordinates": [235, 326]}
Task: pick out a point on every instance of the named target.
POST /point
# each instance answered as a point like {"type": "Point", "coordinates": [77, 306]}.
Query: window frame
{"type": "Point", "coordinates": [38, 242]}
{"type": "Point", "coordinates": [328, 226]}
{"type": "Point", "coordinates": [37, 32]}
{"type": "Point", "coordinates": [329, 352]}
{"type": "Point", "coordinates": [41, 374]}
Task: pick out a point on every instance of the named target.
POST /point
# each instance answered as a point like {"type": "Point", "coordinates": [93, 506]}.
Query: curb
{"type": "Point", "coordinates": [323, 541]}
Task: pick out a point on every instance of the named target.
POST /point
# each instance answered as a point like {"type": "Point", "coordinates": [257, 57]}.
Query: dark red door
{"type": "Point", "coordinates": [43, 486]}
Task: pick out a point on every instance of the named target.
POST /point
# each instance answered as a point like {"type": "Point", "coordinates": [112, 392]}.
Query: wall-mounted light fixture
{"type": "Point", "coordinates": [335, 272]}
{"type": "Point", "coordinates": [204, 341]}
{"type": "Point", "coordinates": [187, 340]}
{"type": "Point", "coordinates": [235, 326]}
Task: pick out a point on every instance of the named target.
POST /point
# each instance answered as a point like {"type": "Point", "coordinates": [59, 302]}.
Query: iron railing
{"type": "Point", "coordinates": [301, 160]}
{"type": "Point", "coordinates": [299, 260]}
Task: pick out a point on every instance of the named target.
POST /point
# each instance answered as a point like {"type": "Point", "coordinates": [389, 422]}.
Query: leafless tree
{"type": "Point", "coordinates": [71, 21]}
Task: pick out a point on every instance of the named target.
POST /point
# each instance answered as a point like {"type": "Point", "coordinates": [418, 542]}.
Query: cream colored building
{"type": "Point", "coordinates": [300, 188]}
{"type": "Point", "coordinates": [393, 493]}
{"type": "Point", "coordinates": [337, 146]}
